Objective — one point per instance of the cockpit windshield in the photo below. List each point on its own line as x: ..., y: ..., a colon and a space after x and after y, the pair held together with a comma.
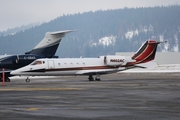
x: 36, y: 63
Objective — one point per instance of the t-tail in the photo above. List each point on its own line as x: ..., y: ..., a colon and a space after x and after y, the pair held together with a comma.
x: 48, y: 46
x: 145, y: 53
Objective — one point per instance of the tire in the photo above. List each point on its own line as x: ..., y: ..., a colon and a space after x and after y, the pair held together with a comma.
x: 27, y: 80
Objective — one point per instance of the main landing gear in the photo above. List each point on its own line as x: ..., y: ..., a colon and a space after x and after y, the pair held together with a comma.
x: 27, y: 80
x: 97, y: 78
x: 5, y: 80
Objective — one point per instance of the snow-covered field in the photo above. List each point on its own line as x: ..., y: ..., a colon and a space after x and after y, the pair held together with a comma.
x: 165, y: 68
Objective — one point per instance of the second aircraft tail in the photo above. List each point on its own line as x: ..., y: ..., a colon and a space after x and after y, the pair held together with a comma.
x: 48, y: 46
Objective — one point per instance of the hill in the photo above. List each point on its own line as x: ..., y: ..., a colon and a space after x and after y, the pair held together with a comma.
x: 103, y: 32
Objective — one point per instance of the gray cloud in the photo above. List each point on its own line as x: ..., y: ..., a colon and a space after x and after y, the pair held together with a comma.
x: 15, y: 13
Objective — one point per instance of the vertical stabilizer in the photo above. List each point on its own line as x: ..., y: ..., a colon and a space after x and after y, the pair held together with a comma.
x: 146, y: 52
x: 48, y: 46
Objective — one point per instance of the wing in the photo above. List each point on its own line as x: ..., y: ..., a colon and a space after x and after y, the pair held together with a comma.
x: 102, y: 71
x: 108, y: 71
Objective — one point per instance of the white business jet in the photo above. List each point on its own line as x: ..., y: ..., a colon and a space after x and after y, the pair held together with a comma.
x: 89, y: 66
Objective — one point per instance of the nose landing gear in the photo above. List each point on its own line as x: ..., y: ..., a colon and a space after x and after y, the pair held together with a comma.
x: 27, y: 80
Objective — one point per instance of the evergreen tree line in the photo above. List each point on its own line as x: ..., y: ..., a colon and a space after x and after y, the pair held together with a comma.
x: 149, y: 23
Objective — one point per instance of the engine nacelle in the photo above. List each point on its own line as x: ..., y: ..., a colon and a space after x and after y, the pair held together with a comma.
x: 113, y: 60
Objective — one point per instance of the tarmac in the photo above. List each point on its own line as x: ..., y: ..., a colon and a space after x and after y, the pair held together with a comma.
x: 137, y: 96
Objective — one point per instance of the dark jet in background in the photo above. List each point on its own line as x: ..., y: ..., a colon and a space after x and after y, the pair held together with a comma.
x: 45, y: 49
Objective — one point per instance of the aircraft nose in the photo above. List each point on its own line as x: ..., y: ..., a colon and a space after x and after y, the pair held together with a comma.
x: 14, y: 72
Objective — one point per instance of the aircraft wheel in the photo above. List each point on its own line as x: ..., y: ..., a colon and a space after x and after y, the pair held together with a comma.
x: 98, y: 79
x: 7, y: 80
x: 27, y: 80
x: 91, y: 78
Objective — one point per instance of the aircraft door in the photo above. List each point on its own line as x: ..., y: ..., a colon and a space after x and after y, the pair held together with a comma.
x: 50, y: 64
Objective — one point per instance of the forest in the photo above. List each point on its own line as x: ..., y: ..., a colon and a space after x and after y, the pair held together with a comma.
x: 129, y: 28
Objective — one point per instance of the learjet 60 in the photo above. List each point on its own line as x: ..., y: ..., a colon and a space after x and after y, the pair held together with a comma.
x: 89, y: 66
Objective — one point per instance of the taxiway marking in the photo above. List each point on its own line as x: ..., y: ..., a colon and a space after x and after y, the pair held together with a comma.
x: 38, y: 89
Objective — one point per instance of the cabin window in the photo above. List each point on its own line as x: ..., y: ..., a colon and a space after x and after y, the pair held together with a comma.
x: 37, y: 63
x: 83, y: 63
x: 59, y: 64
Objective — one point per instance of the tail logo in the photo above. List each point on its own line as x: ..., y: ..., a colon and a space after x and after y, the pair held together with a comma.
x: 146, y: 53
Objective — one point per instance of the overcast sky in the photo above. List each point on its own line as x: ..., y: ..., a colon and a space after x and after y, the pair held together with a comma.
x: 15, y: 13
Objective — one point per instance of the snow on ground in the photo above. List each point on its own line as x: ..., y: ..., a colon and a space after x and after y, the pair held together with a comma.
x: 164, y: 68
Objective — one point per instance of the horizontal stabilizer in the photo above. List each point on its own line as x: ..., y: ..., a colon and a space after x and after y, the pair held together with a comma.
x: 61, y: 32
